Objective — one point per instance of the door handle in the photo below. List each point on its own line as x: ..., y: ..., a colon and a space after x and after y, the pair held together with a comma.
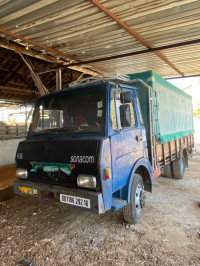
x: 139, y: 138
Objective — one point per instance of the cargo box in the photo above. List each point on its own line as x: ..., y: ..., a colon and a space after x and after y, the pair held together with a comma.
x: 172, y: 107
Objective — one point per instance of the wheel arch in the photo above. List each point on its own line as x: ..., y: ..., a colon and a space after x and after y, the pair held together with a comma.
x: 142, y: 170
x: 142, y: 167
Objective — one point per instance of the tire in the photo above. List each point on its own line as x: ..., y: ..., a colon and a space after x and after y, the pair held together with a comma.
x: 168, y: 170
x: 134, y: 209
x: 186, y: 159
x: 179, y: 168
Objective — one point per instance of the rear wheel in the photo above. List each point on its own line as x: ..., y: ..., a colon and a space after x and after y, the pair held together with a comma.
x: 168, y: 170
x: 134, y: 209
x: 179, y: 167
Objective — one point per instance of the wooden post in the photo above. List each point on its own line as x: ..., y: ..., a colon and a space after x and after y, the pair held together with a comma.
x: 59, y: 79
x: 41, y: 88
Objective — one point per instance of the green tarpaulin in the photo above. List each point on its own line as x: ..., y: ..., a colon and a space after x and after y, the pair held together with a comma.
x: 172, y: 107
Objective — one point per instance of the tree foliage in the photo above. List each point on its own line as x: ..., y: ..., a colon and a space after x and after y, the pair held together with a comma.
x: 196, y: 111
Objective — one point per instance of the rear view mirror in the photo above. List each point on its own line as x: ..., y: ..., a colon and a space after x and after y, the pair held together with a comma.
x: 126, y: 97
x: 125, y: 115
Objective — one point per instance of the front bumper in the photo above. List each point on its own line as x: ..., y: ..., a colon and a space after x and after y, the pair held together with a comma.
x: 45, y: 191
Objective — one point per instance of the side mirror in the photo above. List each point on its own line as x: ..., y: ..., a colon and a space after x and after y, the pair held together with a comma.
x: 126, y: 97
x: 125, y: 115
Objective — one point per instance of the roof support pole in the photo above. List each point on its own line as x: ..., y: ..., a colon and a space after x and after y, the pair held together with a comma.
x: 133, y: 33
x: 42, y: 89
x: 59, y: 79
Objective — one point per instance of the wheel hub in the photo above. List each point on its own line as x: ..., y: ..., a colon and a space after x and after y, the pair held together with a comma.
x: 142, y: 199
x: 182, y: 166
x: 139, y: 198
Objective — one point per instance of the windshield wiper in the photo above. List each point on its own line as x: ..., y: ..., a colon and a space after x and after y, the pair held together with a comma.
x: 53, y: 131
x: 42, y: 133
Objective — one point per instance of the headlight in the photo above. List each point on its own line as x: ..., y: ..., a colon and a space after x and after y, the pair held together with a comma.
x: 21, y: 173
x: 87, y: 181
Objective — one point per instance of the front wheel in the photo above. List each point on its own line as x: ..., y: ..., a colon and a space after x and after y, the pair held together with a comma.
x: 134, y: 209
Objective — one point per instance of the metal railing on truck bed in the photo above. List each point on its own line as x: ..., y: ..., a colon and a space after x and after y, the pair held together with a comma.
x: 171, y: 150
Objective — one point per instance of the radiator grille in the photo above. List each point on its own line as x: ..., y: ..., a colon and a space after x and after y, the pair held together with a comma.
x: 59, y: 177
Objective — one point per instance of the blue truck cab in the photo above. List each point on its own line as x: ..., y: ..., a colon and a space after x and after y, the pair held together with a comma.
x: 87, y: 147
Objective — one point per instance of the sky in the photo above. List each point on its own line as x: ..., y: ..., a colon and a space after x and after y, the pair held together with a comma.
x: 190, y: 86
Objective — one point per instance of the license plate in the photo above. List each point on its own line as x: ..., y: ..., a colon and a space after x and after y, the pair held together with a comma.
x: 77, y: 201
x: 28, y: 190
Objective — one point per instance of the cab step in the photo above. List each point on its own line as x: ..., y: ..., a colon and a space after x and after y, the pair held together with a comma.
x: 118, y: 203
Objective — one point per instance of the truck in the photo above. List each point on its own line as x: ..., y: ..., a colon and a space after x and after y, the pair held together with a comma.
x: 99, y: 144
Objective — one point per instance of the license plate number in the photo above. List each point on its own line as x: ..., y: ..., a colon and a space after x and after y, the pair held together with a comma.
x: 72, y: 200
x: 28, y: 190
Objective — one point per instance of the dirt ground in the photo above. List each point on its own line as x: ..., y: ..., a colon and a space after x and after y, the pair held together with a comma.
x: 47, y: 233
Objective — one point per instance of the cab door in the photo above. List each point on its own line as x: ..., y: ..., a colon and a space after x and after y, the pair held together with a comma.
x: 126, y: 139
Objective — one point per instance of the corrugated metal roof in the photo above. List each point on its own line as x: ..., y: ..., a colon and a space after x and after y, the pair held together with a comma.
x: 80, y: 29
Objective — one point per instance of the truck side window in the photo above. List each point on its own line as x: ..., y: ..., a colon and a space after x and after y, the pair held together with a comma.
x: 118, y: 104
x: 133, y: 120
x: 132, y: 115
x: 113, y: 112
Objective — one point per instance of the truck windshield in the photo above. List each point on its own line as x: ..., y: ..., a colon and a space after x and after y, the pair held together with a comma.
x: 78, y: 111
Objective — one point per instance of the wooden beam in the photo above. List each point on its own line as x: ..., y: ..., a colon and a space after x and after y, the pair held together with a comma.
x: 52, y: 50
x: 18, y: 91
x: 11, y: 100
x: 4, y: 43
x: 133, y: 33
x: 15, y: 92
x: 46, y: 69
x: 14, y: 71
x: 18, y: 48
x: 16, y: 101
x: 59, y: 79
x: 9, y: 105
x: 84, y: 70
x: 47, y: 48
x: 75, y: 82
x: 40, y: 86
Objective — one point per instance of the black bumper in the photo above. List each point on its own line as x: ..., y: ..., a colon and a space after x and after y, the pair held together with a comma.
x: 45, y: 191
